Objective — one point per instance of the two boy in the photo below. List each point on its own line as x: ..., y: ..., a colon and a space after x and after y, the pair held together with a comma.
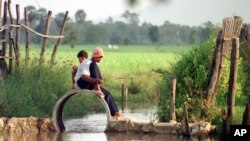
x: 88, y: 76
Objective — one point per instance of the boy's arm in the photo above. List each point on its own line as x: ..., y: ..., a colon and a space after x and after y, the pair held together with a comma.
x: 91, y: 80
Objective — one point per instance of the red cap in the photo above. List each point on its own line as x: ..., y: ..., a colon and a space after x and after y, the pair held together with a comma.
x: 98, y: 52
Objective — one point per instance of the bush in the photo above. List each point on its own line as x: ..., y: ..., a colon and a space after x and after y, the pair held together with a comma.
x: 191, y: 72
x: 33, y: 90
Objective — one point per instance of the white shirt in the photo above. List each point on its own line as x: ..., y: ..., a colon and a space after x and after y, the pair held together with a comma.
x: 83, y: 69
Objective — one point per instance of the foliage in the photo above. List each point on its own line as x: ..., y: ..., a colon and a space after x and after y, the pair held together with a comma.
x: 192, y: 77
x: 132, y: 18
x: 126, y: 32
x: 33, y: 89
x: 72, y: 35
x: 191, y: 73
x: 153, y: 34
x: 244, y: 53
x: 80, y: 16
x: 80, y: 105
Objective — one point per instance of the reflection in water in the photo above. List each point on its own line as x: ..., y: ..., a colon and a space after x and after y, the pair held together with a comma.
x: 95, y: 137
x: 149, y: 137
x: 31, y: 136
x: 94, y: 123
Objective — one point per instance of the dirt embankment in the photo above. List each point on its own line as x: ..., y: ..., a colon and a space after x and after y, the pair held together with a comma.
x: 26, y: 124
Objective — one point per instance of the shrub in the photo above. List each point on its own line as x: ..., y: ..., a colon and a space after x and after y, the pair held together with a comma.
x: 191, y: 72
x: 33, y: 90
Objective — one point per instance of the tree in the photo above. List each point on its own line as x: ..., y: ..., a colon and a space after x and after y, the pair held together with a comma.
x: 110, y: 20
x: 135, y: 2
x: 72, y: 34
x: 153, y: 34
x: 96, y: 34
x: 206, y: 31
x: 80, y: 16
x: 32, y: 14
x: 59, y: 19
x: 132, y: 18
x: 192, y: 36
x: 41, y: 15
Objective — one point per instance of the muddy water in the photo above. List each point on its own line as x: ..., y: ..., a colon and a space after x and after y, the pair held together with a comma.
x: 92, y: 126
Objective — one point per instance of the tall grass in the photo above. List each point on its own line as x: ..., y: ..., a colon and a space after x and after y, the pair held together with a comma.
x: 32, y: 90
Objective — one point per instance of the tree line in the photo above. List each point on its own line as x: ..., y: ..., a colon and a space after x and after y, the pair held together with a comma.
x: 78, y: 30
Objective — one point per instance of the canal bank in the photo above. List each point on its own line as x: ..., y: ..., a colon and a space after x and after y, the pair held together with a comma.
x: 32, y: 124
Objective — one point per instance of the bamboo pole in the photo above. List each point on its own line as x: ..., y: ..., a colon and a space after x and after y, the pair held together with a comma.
x: 158, y: 94
x: 1, y: 74
x: 172, y: 99
x: 37, y: 33
x: 224, y: 131
x: 124, y: 93
x: 184, y: 122
x: 45, y: 39
x: 246, y: 115
x: 10, y: 54
x: 0, y: 13
x: 4, y: 31
x: 213, y: 74
x: 26, y: 18
x: 53, y: 56
x: 233, y: 78
x: 231, y: 27
x: 225, y: 49
x: 18, y: 35
x: 1, y: 25
x: 10, y: 40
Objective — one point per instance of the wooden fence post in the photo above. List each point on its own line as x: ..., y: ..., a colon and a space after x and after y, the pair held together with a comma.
x: 11, y: 40
x: 59, y: 39
x: 224, y: 130
x: 158, y: 94
x: 184, y: 122
x: 246, y: 115
x: 45, y: 39
x: 231, y: 27
x: 124, y: 93
x: 1, y: 13
x: 172, y: 99
x: 17, y: 35
x: 233, y: 77
x: 26, y: 18
x: 4, y: 31
x: 3, y: 65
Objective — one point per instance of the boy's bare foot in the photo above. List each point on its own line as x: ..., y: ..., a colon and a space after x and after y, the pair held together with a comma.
x: 120, y: 117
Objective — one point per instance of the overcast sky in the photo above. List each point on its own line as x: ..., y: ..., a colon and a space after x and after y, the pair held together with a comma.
x: 185, y: 12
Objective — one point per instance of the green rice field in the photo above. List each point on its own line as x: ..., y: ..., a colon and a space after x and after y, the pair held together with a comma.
x: 123, y: 65
x: 33, y: 89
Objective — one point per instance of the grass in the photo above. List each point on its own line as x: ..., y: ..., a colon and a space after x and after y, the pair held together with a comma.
x: 33, y: 89
x: 124, y: 65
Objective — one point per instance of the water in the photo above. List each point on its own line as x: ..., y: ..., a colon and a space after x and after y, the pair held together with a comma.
x: 92, y: 126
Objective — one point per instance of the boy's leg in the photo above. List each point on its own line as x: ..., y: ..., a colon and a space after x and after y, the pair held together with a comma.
x: 73, y: 73
x: 97, y: 88
x: 110, y: 101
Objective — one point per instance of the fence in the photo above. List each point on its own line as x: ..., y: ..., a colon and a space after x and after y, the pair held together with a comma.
x: 14, y: 43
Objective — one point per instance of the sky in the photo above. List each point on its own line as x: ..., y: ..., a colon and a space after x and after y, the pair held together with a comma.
x: 184, y: 12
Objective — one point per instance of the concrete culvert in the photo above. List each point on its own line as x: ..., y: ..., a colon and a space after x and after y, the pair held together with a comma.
x: 61, y: 102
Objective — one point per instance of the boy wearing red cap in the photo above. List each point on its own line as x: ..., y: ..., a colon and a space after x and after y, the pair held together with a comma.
x: 88, y: 76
